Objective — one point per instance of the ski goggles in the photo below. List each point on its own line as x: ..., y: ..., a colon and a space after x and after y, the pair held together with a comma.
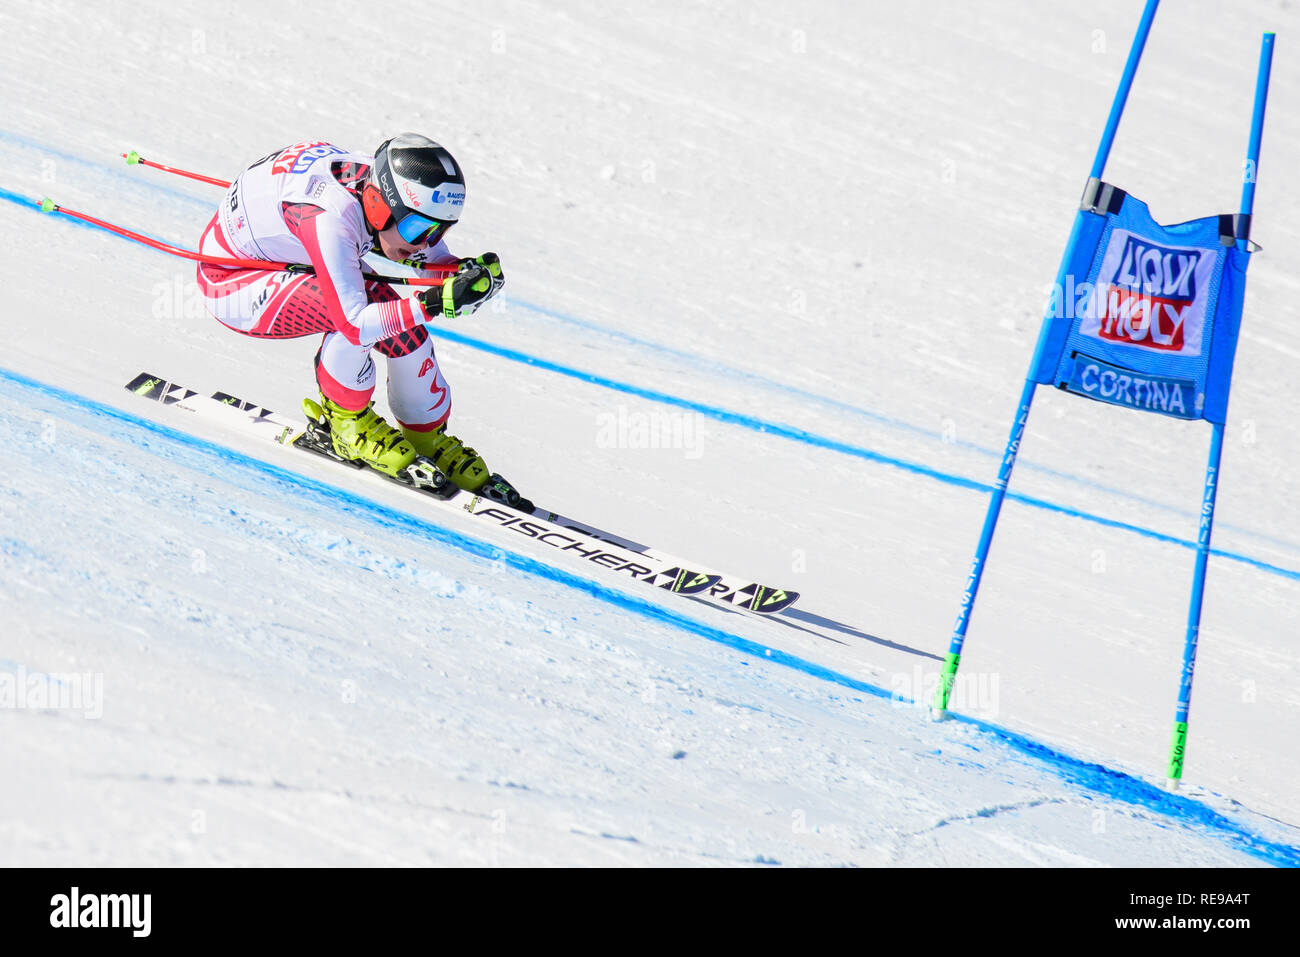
x: 418, y: 228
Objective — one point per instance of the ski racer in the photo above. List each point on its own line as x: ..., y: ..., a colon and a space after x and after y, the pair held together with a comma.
x: 326, y: 207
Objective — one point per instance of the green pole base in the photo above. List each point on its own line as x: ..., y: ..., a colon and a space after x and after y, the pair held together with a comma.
x: 1177, y: 752
x: 48, y: 205
x: 939, y: 710
x: 132, y: 158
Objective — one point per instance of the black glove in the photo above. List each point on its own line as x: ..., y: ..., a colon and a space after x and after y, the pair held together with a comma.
x: 463, y: 292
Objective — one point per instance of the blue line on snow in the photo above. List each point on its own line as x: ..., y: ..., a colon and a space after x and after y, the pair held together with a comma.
x: 785, y: 431
x: 20, y: 199
x: 35, y: 204
x: 1083, y: 774
x: 118, y: 171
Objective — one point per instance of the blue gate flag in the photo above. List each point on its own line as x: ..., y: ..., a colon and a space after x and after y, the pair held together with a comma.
x: 1146, y: 316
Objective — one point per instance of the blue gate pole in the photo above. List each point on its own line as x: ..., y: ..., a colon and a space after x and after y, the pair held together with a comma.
x: 952, y: 660
x: 1178, y: 745
x: 1125, y: 84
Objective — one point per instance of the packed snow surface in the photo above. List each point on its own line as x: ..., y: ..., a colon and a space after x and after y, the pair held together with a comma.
x: 775, y: 274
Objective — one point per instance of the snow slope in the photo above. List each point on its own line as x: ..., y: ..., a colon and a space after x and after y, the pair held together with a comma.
x: 819, y: 243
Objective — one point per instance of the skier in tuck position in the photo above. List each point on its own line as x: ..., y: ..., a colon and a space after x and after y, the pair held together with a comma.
x: 321, y: 205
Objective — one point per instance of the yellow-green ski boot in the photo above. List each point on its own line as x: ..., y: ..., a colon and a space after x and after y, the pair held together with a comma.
x: 454, y: 459
x: 363, y: 436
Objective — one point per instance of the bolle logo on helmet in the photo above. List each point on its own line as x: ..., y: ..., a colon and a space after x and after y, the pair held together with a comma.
x: 389, y: 189
x: 1150, y: 296
x: 412, y: 198
x: 300, y: 156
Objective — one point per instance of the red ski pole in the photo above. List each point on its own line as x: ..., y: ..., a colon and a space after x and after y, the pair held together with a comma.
x: 50, y: 206
x: 133, y: 158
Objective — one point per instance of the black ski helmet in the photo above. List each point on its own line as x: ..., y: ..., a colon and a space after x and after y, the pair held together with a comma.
x: 417, y: 184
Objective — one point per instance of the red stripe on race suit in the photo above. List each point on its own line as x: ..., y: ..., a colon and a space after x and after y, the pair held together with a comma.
x: 220, y: 235
x: 396, y: 317
x: 301, y: 218
x: 426, y: 426
x: 374, y: 321
x: 215, y: 281
x: 272, y: 307
x: 351, y: 399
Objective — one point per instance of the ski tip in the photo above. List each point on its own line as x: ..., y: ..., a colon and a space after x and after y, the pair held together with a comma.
x: 132, y: 158
x: 687, y: 582
x: 768, y: 601
x: 144, y: 379
x: 48, y: 205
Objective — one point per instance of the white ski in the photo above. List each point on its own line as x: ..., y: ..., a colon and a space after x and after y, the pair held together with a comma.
x: 578, y: 540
